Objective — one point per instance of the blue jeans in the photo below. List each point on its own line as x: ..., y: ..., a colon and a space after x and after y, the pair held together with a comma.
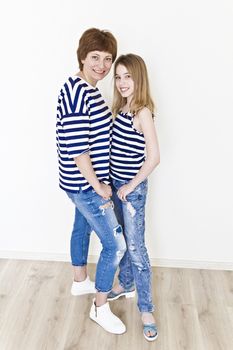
x: 80, y: 239
x: 97, y: 214
x: 135, y: 265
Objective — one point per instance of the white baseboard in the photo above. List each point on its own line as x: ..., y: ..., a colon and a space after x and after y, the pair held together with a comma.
x: 192, y: 264
x: 160, y: 262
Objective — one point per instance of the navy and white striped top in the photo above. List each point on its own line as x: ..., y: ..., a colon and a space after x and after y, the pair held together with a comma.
x: 84, y: 124
x: 127, y: 148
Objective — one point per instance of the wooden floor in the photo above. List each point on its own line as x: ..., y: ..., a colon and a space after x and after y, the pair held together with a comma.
x: 37, y: 312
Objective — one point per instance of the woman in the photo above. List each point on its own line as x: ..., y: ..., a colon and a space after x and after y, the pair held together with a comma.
x: 134, y: 155
x: 83, y: 139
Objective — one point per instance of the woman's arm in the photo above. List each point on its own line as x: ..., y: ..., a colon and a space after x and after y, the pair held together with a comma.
x: 84, y: 165
x: 152, y: 151
x: 75, y: 132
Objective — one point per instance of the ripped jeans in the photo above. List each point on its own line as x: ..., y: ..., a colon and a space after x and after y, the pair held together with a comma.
x: 92, y: 212
x: 135, y: 265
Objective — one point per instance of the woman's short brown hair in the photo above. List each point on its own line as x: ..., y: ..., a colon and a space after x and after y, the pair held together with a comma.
x: 96, y: 39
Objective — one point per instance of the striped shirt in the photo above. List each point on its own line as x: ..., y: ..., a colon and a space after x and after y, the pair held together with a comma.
x: 127, y: 148
x: 84, y: 125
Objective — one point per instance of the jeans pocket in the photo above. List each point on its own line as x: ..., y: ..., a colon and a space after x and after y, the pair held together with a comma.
x: 143, y: 185
x: 141, y: 188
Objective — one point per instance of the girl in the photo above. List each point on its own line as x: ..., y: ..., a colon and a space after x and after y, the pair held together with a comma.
x: 83, y: 138
x: 133, y: 135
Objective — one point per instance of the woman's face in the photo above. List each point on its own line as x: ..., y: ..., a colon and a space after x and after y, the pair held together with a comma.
x: 96, y: 66
x: 124, y: 82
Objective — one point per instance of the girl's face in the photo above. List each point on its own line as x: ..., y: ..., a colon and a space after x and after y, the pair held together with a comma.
x: 96, y: 66
x: 124, y: 82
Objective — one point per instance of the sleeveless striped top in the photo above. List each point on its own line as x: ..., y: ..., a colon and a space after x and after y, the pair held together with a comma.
x: 127, y: 148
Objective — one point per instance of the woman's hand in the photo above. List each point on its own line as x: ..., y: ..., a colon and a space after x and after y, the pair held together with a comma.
x: 124, y: 191
x: 104, y: 191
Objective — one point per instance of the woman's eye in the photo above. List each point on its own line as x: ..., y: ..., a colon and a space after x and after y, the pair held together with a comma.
x: 95, y: 58
x: 117, y: 78
x: 128, y: 76
x: 109, y: 59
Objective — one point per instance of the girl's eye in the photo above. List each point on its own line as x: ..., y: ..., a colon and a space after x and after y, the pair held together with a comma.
x: 95, y: 58
x: 117, y: 78
x: 128, y: 76
x: 109, y: 59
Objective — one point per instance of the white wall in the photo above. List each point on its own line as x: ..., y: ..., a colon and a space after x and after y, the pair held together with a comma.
x: 187, y: 46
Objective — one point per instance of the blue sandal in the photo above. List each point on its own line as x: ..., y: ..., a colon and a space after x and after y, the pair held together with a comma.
x: 152, y: 329
x: 128, y: 293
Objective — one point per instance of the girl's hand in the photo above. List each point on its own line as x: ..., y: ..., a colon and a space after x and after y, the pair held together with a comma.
x: 124, y: 191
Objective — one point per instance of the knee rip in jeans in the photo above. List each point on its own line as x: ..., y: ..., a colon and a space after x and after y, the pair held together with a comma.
x: 135, y: 260
x: 119, y: 255
x: 138, y: 265
x: 105, y: 206
x: 132, y: 247
x: 118, y: 233
x: 117, y: 230
x: 131, y: 209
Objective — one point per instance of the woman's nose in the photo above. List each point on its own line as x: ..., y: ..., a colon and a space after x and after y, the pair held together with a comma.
x: 101, y: 64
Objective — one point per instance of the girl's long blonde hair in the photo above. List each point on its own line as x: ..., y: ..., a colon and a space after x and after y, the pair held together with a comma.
x: 141, y: 98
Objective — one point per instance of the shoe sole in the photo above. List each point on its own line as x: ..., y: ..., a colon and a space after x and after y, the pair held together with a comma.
x: 151, y: 338
x: 82, y: 293
x: 126, y: 294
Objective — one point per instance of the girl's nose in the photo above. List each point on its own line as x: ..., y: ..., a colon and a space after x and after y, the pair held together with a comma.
x: 122, y: 82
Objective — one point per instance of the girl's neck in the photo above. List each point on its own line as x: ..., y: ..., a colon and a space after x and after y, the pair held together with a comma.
x: 126, y: 107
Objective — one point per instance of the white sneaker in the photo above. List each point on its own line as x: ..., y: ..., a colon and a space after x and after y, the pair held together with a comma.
x: 106, y: 319
x: 84, y: 287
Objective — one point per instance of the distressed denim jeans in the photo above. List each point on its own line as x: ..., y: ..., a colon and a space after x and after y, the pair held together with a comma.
x: 97, y: 214
x: 135, y: 265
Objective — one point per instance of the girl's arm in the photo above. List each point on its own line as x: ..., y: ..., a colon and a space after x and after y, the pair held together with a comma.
x: 152, y: 152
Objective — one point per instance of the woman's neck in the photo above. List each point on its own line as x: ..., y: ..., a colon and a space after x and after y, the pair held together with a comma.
x: 86, y: 79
